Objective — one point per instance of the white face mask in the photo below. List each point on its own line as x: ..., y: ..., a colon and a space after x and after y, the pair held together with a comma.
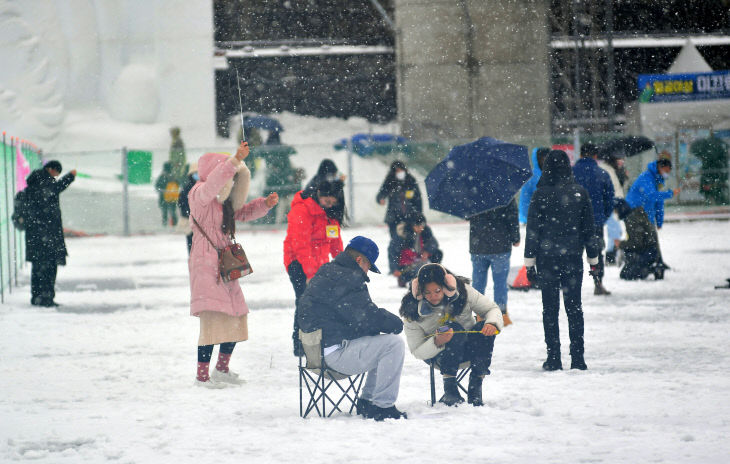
x: 665, y: 175
x: 400, y: 175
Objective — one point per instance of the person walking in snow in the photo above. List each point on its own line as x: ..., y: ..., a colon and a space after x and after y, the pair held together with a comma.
x: 437, y: 309
x: 613, y: 165
x: 357, y: 336
x: 646, y: 192
x: 598, y: 184
x: 401, y: 191
x: 44, y: 243
x: 217, y: 201
x: 168, y: 189
x: 560, y: 225
x: 312, y: 237
x: 492, y: 235
x: 177, y: 159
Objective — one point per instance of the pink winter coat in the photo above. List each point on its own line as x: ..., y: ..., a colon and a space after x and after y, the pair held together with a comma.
x: 217, y: 171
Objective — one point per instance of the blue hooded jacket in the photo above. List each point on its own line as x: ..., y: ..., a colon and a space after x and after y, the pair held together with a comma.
x: 529, y: 188
x: 645, y: 192
x: 600, y: 188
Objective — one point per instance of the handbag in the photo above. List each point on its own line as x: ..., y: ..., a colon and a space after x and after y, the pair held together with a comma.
x: 232, y: 261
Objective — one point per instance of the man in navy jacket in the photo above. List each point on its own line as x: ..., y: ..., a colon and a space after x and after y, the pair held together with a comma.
x: 357, y: 336
x: 598, y: 183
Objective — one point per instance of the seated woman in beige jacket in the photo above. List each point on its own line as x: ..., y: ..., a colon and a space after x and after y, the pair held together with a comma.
x: 440, y: 326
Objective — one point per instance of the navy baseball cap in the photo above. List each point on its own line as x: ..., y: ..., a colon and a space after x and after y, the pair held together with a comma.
x: 368, y: 248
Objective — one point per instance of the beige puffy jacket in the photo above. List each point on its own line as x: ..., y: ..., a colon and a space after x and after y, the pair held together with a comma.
x: 417, y: 332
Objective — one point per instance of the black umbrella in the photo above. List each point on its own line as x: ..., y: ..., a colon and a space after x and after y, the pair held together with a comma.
x: 625, y: 146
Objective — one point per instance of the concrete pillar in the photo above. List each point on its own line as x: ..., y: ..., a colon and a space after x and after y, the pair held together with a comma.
x: 472, y: 68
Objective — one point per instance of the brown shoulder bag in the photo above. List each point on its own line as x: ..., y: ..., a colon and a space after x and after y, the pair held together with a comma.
x: 232, y: 260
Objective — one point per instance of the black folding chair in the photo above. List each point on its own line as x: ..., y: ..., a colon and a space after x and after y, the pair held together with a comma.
x: 464, y: 369
x: 319, y: 380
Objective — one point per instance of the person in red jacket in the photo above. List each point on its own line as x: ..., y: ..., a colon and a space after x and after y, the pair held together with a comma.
x: 312, y: 237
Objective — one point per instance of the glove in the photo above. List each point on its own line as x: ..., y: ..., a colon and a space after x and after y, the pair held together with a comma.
x: 532, y: 275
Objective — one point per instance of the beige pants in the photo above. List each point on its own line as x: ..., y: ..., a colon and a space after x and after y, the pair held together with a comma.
x: 217, y: 328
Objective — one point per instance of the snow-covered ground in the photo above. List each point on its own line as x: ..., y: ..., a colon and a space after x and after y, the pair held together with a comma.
x: 109, y: 376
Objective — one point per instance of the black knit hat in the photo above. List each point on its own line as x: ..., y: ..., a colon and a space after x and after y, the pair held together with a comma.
x: 53, y: 164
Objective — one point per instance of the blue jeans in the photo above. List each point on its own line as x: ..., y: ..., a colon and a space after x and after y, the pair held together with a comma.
x: 500, y: 269
x: 613, y: 227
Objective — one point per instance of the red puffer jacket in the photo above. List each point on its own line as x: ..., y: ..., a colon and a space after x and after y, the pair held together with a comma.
x: 311, y: 237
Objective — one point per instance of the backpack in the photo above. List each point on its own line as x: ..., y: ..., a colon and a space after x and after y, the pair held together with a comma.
x: 20, y: 210
x: 171, y: 192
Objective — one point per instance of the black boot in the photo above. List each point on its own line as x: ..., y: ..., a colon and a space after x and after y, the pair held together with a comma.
x: 363, y: 407
x: 553, y: 363
x: 474, y: 392
x: 577, y: 362
x: 611, y: 257
x: 451, y: 392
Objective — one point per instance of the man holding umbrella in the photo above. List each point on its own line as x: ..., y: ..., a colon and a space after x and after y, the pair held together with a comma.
x: 600, y: 188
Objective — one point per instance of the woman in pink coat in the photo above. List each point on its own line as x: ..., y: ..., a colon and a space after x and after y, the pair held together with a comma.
x: 217, y: 200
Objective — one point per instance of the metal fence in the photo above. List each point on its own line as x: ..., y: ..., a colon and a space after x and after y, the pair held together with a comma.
x: 13, y: 152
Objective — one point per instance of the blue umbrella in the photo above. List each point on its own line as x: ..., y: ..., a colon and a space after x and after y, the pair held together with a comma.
x: 477, y: 177
x: 262, y: 122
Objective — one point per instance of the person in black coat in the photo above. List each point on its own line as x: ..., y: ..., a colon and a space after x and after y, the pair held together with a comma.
x: 357, y: 336
x: 492, y: 235
x: 560, y: 226
x: 44, y: 243
x: 401, y: 191
x: 641, y: 248
x: 414, y: 246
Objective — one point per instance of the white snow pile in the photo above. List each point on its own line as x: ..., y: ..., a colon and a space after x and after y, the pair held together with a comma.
x: 108, y: 377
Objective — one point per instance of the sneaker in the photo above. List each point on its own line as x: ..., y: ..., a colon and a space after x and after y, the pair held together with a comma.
x: 210, y: 384
x: 380, y: 414
x: 506, y: 319
x: 226, y: 377
x: 363, y: 407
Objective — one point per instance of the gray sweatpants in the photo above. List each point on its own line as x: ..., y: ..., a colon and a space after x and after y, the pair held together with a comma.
x: 381, y: 356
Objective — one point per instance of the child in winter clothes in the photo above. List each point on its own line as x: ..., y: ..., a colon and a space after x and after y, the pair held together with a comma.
x: 438, y: 306
x: 216, y: 201
x: 169, y: 191
x: 413, y: 247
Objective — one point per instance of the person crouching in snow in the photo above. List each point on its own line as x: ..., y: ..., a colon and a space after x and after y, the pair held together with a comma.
x: 641, y: 250
x: 216, y: 201
x: 437, y: 311
x: 413, y: 246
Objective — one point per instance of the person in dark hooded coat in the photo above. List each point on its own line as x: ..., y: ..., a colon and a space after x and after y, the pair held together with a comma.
x: 328, y: 172
x: 44, y: 243
x: 641, y: 248
x: 560, y: 225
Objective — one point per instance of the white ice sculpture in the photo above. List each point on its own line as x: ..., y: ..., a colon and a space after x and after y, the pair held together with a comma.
x: 100, y: 74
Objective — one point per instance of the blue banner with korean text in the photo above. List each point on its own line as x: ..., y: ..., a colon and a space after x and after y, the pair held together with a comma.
x: 657, y: 88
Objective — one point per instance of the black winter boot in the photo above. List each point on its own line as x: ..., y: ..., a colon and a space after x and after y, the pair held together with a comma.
x: 553, y: 363
x: 362, y: 407
x: 451, y: 392
x: 577, y: 362
x: 474, y: 392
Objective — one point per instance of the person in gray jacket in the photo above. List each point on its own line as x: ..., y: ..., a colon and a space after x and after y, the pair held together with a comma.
x: 357, y: 336
x: 440, y: 326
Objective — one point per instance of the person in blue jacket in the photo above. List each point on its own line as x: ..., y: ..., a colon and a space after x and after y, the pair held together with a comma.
x: 538, y: 155
x: 598, y: 183
x: 645, y: 192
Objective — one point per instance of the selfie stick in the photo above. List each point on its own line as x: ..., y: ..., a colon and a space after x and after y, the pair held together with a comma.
x: 240, y: 105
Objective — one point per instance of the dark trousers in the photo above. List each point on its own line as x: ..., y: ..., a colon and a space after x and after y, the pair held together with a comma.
x: 43, y: 280
x: 189, y: 240
x: 206, y: 351
x: 601, y: 244
x: 393, y: 254
x: 171, y: 209
x: 472, y: 347
x: 299, y: 281
x: 561, y: 273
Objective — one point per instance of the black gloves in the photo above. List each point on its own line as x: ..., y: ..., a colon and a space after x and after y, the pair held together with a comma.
x: 391, y: 323
x: 596, y: 272
x: 532, y: 275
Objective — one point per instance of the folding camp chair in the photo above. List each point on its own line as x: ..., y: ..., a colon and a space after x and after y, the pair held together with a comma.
x: 464, y: 369
x: 318, y: 379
